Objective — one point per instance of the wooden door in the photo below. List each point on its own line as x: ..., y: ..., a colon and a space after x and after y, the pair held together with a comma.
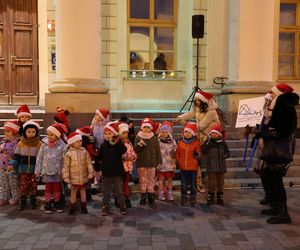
x: 19, y: 58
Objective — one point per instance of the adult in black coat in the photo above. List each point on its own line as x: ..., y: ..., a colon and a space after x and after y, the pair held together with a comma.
x: 279, y: 134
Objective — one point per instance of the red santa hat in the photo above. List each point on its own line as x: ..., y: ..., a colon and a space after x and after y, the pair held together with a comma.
x: 147, y: 122
x: 23, y: 110
x: 86, y: 131
x: 104, y: 113
x: 57, y: 129
x: 216, y: 129
x: 282, y: 88
x: 191, y: 127
x: 73, y: 137
x: 156, y: 127
x: 112, y: 127
x: 203, y: 96
x: 13, y: 126
x: 123, y: 127
x: 31, y: 123
x: 61, y: 116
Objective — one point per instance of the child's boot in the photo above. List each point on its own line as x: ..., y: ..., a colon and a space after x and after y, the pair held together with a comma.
x: 193, y: 200
x: 170, y: 196
x: 161, y: 195
x: 143, y: 199
x: 47, y: 207
x: 123, y: 209
x: 83, y: 208
x: 22, y: 202
x: 105, y: 209
x: 128, y: 203
x: 117, y: 203
x: 220, y: 199
x: 151, y: 200
x: 183, y: 200
x: 58, y: 207
x: 210, y: 198
x: 33, y: 201
x: 72, y: 209
x: 89, y: 195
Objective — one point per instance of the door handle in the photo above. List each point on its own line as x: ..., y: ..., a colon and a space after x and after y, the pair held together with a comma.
x: 12, y: 60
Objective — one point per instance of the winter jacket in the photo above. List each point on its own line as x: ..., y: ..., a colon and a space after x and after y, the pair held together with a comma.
x: 205, y: 120
x: 187, y: 155
x: 168, y: 150
x: 50, y: 160
x: 78, y: 167
x: 7, y: 149
x: 110, y: 157
x: 24, y: 158
x: 129, y: 157
x: 148, y: 155
x: 214, y: 155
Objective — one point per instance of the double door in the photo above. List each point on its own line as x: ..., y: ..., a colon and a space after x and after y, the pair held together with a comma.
x: 18, y: 52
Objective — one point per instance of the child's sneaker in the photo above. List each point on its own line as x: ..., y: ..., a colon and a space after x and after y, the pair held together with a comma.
x: 183, y: 200
x: 161, y: 196
x: 47, y: 208
x: 128, y: 203
x: 105, y: 210
x: 170, y: 196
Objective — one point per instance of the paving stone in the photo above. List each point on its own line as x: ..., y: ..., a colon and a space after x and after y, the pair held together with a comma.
x: 42, y: 244
x: 71, y: 245
x: 12, y: 245
x: 144, y: 241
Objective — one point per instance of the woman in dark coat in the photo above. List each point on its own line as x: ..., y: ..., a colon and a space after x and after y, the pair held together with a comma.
x: 279, y: 134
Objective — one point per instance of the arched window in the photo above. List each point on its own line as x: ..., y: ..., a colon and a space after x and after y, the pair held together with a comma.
x: 152, y: 34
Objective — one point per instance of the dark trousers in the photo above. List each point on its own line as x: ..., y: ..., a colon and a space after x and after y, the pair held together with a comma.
x: 265, y: 180
x: 188, y: 178
x: 215, y: 179
x: 277, y: 190
x: 110, y: 184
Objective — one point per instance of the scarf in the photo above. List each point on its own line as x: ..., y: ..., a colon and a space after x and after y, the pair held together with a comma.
x: 145, y: 135
x: 31, y: 142
x: 165, y: 140
x: 189, y: 141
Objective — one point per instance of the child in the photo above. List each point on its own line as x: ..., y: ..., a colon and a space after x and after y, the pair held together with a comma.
x: 88, y: 143
x: 99, y: 121
x: 187, y: 154
x: 49, y: 165
x: 166, y: 169
x: 110, y: 156
x: 215, y: 151
x: 61, y: 117
x: 9, y: 183
x: 24, y: 160
x: 77, y: 170
x: 146, y: 146
x: 128, y: 158
x: 23, y: 113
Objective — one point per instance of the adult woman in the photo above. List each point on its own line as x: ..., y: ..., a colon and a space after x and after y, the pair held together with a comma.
x: 279, y: 146
x: 205, y: 113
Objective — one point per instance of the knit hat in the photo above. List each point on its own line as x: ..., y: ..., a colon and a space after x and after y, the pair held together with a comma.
x: 281, y: 88
x: 104, y: 113
x: 85, y: 131
x: 147, y: 122
x: 23, y: 110
x: 167, y: 127
x: 191, y: 127
x: 126, y: 118
x: 123, y: 127
x: 57, y: 129
x: 61, y: 116
x: 73, y: 137
x: 112, y: 127
x: 203, y: 96
x: 13, y: 126
x: 216, y: 129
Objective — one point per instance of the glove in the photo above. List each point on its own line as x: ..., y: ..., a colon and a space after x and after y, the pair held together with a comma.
x: 141, y: 143
x: 196, y: 155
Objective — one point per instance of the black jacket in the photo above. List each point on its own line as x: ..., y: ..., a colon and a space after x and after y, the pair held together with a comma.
x: 110, y: 157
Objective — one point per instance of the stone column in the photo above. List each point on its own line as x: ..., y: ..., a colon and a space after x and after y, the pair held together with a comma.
x: 78, y: 55
x: 252, y: 50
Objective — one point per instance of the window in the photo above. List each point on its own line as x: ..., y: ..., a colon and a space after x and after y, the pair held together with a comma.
x: 152, y: 34
x: 289, y: 44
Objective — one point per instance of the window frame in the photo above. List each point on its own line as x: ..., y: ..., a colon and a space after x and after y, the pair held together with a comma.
x: 152, y: 23
x: 296, y: 30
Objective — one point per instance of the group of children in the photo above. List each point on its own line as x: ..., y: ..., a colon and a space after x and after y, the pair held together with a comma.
x: 112, y: 149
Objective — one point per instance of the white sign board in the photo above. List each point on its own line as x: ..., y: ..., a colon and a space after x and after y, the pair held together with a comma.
x: 250, y: 112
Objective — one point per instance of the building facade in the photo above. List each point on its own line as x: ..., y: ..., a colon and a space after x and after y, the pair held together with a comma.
x: 102, y: 53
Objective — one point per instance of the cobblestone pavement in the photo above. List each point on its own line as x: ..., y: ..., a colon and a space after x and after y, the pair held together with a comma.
x: 237, y: 225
